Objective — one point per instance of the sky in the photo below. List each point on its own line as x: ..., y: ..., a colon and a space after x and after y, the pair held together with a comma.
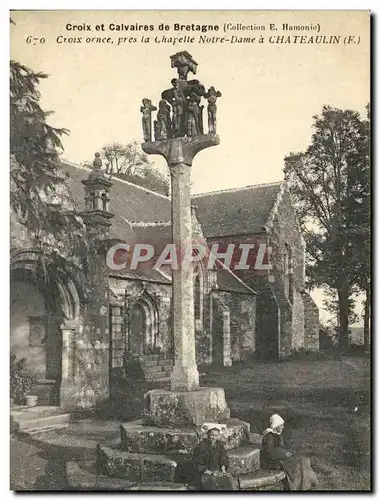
x: 270, y: 91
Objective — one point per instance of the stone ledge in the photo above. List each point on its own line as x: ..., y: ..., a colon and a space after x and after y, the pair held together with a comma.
x: 136, y: 437
x: 160, y: 486
x: 261, y: 479
x: 244, y: 460
x: 255, y: 438
x: 146, y: 467
x: 83, y: 476
x: 135, y: 467
x: 185, y: 409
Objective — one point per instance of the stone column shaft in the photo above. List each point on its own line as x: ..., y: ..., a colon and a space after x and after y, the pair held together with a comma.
x: 66, y: 353
x: 185, y: 374
x: 179, y: 154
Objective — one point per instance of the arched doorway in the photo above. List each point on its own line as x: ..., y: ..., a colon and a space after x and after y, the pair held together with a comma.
x: 35, y: 331
x: 143, y: 326
x: 138, y: 329
x: 39, y: 313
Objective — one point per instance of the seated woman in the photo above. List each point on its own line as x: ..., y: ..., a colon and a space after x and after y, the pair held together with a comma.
x: 273, y: 455
x: 211, y: 464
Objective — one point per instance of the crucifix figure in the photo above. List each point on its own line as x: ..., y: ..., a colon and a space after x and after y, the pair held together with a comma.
x: 211, y: 97
x: 163, y: 124
x: 146, y: 110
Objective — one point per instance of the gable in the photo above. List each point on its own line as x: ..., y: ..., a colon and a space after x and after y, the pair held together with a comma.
x: 236, y: 211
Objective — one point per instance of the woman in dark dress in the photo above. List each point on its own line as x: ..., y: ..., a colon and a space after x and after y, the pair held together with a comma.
x: 274, y: 455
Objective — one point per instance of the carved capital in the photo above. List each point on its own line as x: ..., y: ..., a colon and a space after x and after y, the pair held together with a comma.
x: 180, y: 149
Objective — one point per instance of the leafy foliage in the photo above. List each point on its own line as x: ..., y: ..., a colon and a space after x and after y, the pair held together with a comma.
x: 330, y: 184
x: 34, y: 148
x: 21, y: 380
x: 38, y: 186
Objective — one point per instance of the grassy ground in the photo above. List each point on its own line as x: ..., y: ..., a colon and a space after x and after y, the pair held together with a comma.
x: 316, y: 399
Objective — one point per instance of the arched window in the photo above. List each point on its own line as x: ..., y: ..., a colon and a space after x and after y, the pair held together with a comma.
x: 105, y: 202
x: 93, y: 200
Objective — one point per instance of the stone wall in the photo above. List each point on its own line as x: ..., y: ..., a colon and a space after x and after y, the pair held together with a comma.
x: 298, y: 320
x: 284, y: 233
x: 288, y: 273
x: 312, y: 324
x: 203, y: 340
x: 242, y: 309
x: 26, y: 302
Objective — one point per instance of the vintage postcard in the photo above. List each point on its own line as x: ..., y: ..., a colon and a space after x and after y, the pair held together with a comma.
x: 190, y: 250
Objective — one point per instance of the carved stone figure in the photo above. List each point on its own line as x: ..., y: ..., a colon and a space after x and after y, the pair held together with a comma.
x: 97, y: 163
x: 175, y: 96
x: 146, y: 110
x: 211, y: 97
x: 179, y: 108
x: 194, y: 116
x: 163, y: 125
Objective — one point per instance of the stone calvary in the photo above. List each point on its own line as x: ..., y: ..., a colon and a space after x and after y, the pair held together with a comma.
x: 155, y: 452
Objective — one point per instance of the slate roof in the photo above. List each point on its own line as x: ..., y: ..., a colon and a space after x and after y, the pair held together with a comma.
x: 236, y: 211
x: 144, y: 274
x: 133, y: 206
x: 229, y: 282
x: 128, y: 201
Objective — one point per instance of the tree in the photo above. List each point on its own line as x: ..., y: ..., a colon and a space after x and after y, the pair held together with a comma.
x: 130, y: 163
x: 34, y: 147
x: 324, y: 180
x: 358, y: 206
x: 36, y: 180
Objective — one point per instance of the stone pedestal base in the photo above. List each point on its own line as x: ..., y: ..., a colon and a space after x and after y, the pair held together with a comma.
x: 139, y: 438
x: 185, y: 409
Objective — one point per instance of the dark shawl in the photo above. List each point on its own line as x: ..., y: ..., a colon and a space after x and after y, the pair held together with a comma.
x: 206, y: 457
x: 299, y: 473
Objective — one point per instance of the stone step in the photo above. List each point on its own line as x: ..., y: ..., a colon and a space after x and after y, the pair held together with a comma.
x: 255, y: 438
x: 166, y: 363
x: 261, y: 479
x: 149, y: 362
x: 38, y: 417
x: 159, y: 486
x: 136, y: 437
x: 152, y: 357
x: 84, y: 476
x: 40, y: 430
x: 160, y: 379
x: 147, y: 467
x: 157, y: 371
x: 244, y: 460
x: 157, y: 368
x: 137, y: 467
x: 152, y: 369
x: 158, y: 374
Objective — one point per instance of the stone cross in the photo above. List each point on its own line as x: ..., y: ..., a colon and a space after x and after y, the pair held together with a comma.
x: 179, y: 153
